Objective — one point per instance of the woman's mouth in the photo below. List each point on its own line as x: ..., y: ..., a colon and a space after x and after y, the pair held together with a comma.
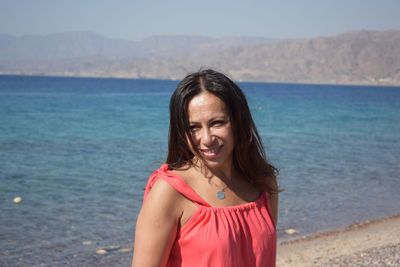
x: 210, y: 152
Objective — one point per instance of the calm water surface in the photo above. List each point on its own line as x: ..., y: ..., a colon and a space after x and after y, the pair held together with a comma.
x: 79, y: 151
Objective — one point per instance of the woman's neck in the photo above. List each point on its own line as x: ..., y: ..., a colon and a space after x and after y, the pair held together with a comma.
x: 226, y: 175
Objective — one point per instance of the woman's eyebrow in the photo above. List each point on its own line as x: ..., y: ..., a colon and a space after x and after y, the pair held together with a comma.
x: 222, y: 117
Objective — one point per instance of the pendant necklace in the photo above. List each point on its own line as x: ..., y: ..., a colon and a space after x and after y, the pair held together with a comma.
x: 221, y: 192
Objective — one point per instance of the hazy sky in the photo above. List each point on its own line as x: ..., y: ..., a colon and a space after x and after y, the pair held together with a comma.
x: 130, y: 19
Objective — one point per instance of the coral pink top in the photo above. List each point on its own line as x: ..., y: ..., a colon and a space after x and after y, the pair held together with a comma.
x: 242, y: 235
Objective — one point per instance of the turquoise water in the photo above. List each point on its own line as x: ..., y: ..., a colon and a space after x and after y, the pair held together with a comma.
x: 79, y: 151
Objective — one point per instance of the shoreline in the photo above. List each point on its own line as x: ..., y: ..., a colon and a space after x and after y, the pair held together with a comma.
x: 119, y: 77
x: 356, y: 242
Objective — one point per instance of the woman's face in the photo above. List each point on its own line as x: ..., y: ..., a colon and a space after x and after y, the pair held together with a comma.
x: 211, y: 130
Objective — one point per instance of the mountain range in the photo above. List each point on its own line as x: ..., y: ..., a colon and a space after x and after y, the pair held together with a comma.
x: 361, y: 57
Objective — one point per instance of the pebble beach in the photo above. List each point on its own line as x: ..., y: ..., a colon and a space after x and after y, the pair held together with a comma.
x: 370, y: 243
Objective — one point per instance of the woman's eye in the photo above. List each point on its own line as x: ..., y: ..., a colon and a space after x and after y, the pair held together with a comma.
x: 193, y: 128
x: 218, y: 123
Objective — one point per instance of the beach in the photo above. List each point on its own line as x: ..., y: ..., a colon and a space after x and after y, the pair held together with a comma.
x: 370, y: 243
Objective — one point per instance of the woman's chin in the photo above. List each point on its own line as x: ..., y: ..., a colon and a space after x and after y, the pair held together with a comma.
x: 216, y: 164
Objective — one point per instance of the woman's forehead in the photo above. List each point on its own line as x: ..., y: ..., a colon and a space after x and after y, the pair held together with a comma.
x: 206, y: 104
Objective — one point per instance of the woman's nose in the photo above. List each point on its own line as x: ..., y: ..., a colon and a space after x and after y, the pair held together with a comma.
x: 207, y: 137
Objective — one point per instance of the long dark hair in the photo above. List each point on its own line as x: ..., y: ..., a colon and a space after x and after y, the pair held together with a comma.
x: 248, y: 156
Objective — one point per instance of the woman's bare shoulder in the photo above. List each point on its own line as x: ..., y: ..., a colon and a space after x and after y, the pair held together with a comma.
x: 156, y: 225
x: 163, y: 196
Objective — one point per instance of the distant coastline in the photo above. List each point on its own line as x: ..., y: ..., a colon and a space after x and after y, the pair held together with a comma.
x: 383, y: 85
x: 353, y: 58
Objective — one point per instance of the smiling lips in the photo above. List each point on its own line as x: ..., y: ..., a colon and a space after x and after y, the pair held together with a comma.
x: 211, y: 153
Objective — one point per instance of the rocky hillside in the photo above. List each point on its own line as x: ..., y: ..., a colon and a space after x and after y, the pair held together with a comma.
x: 364, y: 57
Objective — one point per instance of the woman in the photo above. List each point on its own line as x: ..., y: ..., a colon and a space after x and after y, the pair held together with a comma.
x: 215, y: 201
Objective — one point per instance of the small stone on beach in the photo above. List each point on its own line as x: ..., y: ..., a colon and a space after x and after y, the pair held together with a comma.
x: 291, y: 231
x: 124, y: 250
x: 17, y: 200
x: 101, y: 251
x: 105, y: 250
x: 87, y: 242
x: 112, y: 247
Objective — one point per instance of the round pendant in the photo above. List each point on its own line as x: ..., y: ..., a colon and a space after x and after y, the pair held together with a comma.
x: 220, y: 195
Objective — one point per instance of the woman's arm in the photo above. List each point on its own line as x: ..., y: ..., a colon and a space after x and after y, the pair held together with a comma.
x: 273, y: 200
x: 156, y: 226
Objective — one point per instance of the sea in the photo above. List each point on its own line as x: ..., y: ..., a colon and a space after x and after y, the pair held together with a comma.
x: 78, y: 152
